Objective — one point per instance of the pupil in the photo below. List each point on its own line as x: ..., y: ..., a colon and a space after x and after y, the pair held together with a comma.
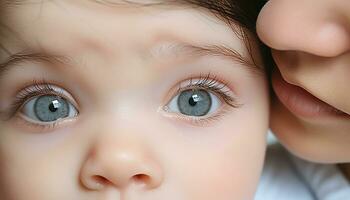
x: 52, y: 107
x: 192, y: 102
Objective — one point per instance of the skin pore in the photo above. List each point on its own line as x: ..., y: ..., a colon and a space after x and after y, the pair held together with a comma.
x: 310, y: 115
x: 91, y: 104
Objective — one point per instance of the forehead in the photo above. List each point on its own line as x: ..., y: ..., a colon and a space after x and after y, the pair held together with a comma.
x: 116, y: 6
x: 219, y: 8
x: 76, y: 26
x: 38, y: 16
x: 110, y: 2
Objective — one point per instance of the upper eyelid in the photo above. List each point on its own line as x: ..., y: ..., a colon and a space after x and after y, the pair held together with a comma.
x: 203, y: 85
x: 207, y: 80
x: 216, y: 83
x: 40, y: 89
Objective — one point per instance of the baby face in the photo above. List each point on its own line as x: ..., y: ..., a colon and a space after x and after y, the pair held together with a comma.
x: 311, y: 42
x: 121, y: 101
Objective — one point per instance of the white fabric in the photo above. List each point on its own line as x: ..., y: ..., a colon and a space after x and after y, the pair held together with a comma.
x: 280, y: 180
x: 327, y: 181
x: 286, y: 177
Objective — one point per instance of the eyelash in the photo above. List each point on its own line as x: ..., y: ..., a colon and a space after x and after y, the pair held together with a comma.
x: 208, y: 82
x: 213, y: 84
x: 36, y: 89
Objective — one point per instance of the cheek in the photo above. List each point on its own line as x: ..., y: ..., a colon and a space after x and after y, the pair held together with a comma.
x: 228, y: 163
x: 35, y: 180
x: 31, y: 170
x: 223, y: 174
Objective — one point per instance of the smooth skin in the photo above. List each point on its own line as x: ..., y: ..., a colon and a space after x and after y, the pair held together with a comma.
x: 126, y: 142
x: 311, y: 47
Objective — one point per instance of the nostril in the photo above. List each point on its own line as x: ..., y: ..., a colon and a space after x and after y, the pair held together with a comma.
x: 141, y: 179
x: 100, y: 180
x: 95, y: 182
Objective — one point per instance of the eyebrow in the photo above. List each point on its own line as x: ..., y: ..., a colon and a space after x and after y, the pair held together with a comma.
x: 23, y: 57
x: 222, y: 51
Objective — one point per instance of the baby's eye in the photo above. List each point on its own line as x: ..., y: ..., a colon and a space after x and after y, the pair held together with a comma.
x: 48, y: 108
x: 194, y: 102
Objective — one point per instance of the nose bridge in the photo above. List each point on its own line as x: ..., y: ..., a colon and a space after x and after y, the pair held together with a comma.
x: 318, y: 28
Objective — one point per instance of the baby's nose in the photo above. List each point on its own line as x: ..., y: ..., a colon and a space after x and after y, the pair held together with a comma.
x: 120, y: 164
x: 319, y: 27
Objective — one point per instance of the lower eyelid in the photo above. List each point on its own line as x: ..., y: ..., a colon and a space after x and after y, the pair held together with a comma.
x: 201, y: 121
x: 206, y: 120
x: 35, y: 127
